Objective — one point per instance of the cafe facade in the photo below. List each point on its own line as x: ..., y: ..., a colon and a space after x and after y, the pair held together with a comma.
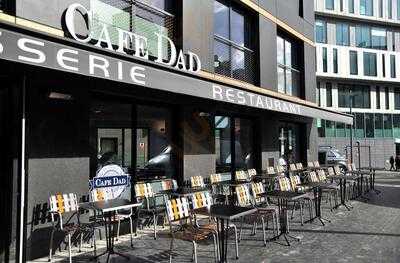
x: 164, y: 89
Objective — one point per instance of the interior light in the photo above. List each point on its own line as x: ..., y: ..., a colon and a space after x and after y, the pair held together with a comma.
x: 60, y: 96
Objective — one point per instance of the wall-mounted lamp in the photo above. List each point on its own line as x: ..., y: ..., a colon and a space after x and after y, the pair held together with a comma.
x: 204, y: 114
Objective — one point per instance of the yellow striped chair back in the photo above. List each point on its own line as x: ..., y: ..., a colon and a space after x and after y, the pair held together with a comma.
x: 243, y: 195
x: 279, y: 169
x: 299, y: 166
x: 331, y: 172
x: 321, y: 175
x: 284, y: 184
x: 240, y: 175
x: 292, y: 167
x: 201, y: 200
x: 63, y: 203
x: 310, y: 164
x: 101, y: 195
x: 177, y: 209
x: 257, y: 189
x: 270, y: 170
x: 294, y: 181
x: 197, y: 181
x: 313, y: 177
x: 215, y: 178
x: 143, y: 190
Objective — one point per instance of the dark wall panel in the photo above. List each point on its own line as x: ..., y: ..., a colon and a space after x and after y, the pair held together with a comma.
x: 268, y: 64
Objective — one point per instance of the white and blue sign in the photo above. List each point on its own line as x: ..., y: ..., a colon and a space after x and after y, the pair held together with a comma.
x: 111, y: 178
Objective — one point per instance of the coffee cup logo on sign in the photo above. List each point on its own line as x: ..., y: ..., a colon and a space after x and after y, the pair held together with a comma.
x: 111, y: 179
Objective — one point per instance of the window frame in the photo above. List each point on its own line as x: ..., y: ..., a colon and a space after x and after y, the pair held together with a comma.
x: 371, y: 59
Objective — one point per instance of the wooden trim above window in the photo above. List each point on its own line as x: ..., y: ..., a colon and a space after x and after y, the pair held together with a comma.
x: 277, y: 21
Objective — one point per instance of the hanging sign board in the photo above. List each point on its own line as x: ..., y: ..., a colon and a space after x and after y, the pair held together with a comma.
x: 111, y: 178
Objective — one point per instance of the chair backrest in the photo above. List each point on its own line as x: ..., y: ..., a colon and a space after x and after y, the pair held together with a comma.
x: 215, y: 178
x: 331, y: 171
x: 310, y: 164
x: 284, y: 184
x: 294, y: 181
x: 177, y: 209
x: 270, y: 170
x: 313, y: 177
x: 201, y: 200
x: 321, y: 175
x: 299, y: 166
x: 292, y: 167
x: 101, y: 195
x: 169, y: 184
x: 257, y: 189
x: 279, y: 169
x: 143, y: 190
x: 197, y: 181
x: 63, y: 203
x: 240, y: 175
x: 252, y: 172
x: 336, y: 168
x: 316, y: 164
x: 243, y: 195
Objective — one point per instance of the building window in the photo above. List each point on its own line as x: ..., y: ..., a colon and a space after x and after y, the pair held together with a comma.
x: 234, y: 54
x: 378, y: 38
x: 320, y: 31
x: 341, y: 5
x: 380, y: 7
x: 383, y: 65
x: 398, y: 9
x: 353, y: 62
x: 396, y: 125
x: 378, y: 125
x: 330, y: 4
x: 288, y: 67
x: 335, y: 60
x: 360, y: 94
x: 363, y: 36
x: 359, y: 126
x: 324, y: 59
x: 318, y: 95
x: 387, y: 125
x: 392, y: 66
x: 397, y: 99
x: 370, y: 64
x: 351, y: 6
x: 369, y: 125
x: 378, y: 97
x: 389, y: 7
x: 342, y: 34
x: 387, y: 102
x: 328, y: 88
x: 301, y: 8
x: 366, y: 7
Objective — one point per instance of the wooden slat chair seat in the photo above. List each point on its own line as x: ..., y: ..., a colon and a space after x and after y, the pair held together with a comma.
x: 144, y: 193
x: 178, y: 211
x: 65, y: 205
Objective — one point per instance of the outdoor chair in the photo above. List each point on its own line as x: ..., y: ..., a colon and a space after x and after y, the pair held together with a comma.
x: 203, y: 200
x: 292, y: 168
x: 350, y: 183
x: 121, y: 215
x: 310, y: 164
x: 263, y: 213
x: 280, y: 169
x: 316, y: 164
x: 294, y: 184
x: 270, y: 170
x: 241, y: 176
x: 252, y: 173
x: 63, y: 209
x: 169, y: 184
x: 144, y: 193
x: 220, y: 193
x: 332, y: 191
x: 182, y: 227
x: 197, y: 182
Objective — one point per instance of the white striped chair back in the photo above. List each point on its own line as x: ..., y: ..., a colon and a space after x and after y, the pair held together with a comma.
x: 243, y: 195
x: 294, y: 181
x: 284, y: 184
x: 177, y: 209
x: 310, y: 164
x: 292, y: 167
x: 299, y: 166
x: 197, y: 181
x: 270, y: 170
x: 316, y: 164
x: 143, y: 190
x: 313, y: 177
x: 240, y: 175
x: 279, y: 169
x: 252, y: 172
x: 63, y: 203
x: 215, y: 178
x: 201, y: 200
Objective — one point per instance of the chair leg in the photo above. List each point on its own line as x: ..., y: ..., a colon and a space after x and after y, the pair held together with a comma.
x: 263, y: 229
x: 215, y: 248
x: 69, y: 248
x: 51, y: 244
x: 171, y: 248
x: 94, y: 243
x: 195, y: 252
x: 137, y: 222
x: 273, y: 224
x: 155, y: 217
x: 301, y: 214
x: 131, y: 228
x: 80, y: 242
x: 236, y: 242
x: 119, y: 226
x: 294, y: 208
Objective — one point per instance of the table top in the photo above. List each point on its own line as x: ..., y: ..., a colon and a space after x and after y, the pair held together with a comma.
x: 287, y: 195
x: 318, y: 184
x: 227, y: 212
x: 188, y: 191
x: 109, y: 205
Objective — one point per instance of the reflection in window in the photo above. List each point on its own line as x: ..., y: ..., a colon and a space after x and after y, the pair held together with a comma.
x: 359, y: 127
x: 378, y: 125
x: 389, y: 7
x: 392, y: 66
x: 320, y: 31
x: 288, y: 67
x: 340, y: 130
x: 329, y: 94
x: 370, y: 64
x: 360, y: 94
x: 351, y: 6
x: 353, y: 62
x: 378, y: 38
x: 369, y: 125
x: 233, y: 43
x: 342, y: 34
x: 330, y: 4
x: 366, y: 7
x: 222, y: 144
x: 378, y: 97
x: 244, y: 144
x: 396, y: 125
x: 363, y: 36
x: 387, y: 102
x: 387, y: 125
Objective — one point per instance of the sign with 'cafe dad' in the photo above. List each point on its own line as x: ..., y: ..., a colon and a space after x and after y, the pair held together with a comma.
x: 126, y: 39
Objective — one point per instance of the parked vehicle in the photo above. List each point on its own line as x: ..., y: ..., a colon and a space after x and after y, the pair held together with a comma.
x: 331, y: 155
